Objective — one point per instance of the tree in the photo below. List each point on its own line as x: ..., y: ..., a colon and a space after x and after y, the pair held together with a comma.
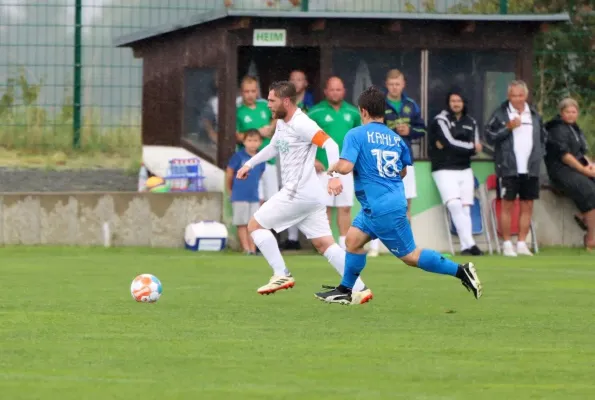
x: 565, y: 53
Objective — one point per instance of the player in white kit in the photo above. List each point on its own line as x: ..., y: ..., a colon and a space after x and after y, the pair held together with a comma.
x: 300, y: 201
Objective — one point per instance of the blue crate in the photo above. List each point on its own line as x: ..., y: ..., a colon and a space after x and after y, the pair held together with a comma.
x: 185, y: 175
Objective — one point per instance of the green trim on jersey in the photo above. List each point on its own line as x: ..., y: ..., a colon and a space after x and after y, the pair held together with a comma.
x: 336, y: 123
x: 254, y: 118
x: 396, y: 104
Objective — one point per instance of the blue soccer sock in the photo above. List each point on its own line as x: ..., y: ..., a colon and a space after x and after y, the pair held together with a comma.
x: 354, y: 265
x: 432, y: 261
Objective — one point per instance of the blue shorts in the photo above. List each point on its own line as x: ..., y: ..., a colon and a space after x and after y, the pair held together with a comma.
x: 392, y: 229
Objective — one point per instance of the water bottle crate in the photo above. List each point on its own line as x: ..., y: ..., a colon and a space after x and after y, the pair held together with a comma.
x: 185, y: 175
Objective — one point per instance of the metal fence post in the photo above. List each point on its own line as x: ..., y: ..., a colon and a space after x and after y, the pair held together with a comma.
x: 76, y: 116
x: 503, y: 6
x: 305, y: 5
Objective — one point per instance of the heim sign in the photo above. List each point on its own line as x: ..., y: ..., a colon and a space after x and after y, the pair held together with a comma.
x: 269, y: 37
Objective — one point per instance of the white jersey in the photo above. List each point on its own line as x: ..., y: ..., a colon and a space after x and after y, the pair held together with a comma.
x: 295, y: 143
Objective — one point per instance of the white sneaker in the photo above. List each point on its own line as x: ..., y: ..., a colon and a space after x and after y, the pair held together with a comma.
x: 522, y: 249
x: 277, y: 283
x: 373, y: 253
x: 361, y: 297
x: 508, y: 250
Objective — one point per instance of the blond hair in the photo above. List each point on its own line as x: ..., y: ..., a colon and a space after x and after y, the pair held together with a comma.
x: 566, y: 103
x: 394, y: 74
x: 248, y: 79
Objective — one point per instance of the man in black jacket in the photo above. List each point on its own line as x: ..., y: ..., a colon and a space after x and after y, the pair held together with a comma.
x: 453, y: 138
x: 516, y: 131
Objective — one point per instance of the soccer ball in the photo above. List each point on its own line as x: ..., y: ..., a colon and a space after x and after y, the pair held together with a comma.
x: 146, y: 288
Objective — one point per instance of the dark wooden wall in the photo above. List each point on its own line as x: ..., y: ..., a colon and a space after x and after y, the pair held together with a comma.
x: 164, y: 61
x: 216, y: 45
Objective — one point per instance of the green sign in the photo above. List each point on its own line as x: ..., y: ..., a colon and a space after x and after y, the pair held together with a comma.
x: 269, y: 37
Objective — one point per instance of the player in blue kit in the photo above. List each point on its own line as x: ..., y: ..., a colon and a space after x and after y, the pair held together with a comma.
x: 378, y: 158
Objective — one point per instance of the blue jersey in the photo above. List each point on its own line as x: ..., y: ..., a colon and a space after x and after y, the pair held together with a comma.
x: 245, y: 189
x: 378, y: 154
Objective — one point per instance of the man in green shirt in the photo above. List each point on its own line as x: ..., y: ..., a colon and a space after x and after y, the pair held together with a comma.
x: 254, y: 113
x: 336, y: 117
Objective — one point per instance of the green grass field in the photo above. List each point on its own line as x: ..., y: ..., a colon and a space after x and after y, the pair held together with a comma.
x: 69, y: 329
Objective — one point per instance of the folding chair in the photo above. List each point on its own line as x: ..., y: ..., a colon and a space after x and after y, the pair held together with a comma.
x: 496, y: 210
x: 478, y: 223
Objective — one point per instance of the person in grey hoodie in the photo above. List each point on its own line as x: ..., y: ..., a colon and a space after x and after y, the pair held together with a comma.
x: 517, y: 133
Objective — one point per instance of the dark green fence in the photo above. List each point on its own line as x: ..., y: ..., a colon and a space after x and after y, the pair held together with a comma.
x: 61, y: 77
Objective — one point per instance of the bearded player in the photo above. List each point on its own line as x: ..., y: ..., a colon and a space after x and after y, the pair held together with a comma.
x: 300, y: 201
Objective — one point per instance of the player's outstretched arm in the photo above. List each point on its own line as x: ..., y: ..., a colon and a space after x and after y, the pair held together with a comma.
x: 335, y: 186
x: 268, y: 152
x: 332, y: 154
x: 332, y: 151
x: 342, y: 167
x: 349, y: 155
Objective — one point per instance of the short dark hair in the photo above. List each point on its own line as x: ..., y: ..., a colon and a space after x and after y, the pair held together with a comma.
x: 252, y: 132
x: 373, y: 101
x: 284, y: 89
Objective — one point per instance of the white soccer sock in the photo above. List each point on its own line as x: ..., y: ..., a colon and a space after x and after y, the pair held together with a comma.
x: 342, y: 242
x: 462, y: 223
x: 293, y: 233
x: 375, y: 244
x: 467, y: 211
x: 266, y: 242
x: 336, y: 256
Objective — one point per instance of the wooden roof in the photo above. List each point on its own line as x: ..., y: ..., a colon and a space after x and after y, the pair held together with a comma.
x: 210, y: 16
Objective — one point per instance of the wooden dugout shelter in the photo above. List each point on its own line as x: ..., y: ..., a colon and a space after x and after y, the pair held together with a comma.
x: 191, y: 70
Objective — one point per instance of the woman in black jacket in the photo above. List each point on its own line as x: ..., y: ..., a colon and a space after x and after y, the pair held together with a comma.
x: 568, y: 166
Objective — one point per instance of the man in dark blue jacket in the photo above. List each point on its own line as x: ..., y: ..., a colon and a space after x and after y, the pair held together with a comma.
x: 404, y: 117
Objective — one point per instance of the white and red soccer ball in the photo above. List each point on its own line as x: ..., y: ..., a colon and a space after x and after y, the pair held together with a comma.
x: 146, y: 288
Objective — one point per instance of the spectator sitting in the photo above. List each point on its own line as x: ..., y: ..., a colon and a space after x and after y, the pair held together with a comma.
x: 453, y: 138
x: 244, y: 192
x: 569, y: 168
x: 518, y: 136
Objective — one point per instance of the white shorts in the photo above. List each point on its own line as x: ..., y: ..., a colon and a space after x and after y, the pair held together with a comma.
x: 269, y: 182
x: 281, y: 212
x: 409, y: 183
x: 455, y: 184
x: 345, y: 199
